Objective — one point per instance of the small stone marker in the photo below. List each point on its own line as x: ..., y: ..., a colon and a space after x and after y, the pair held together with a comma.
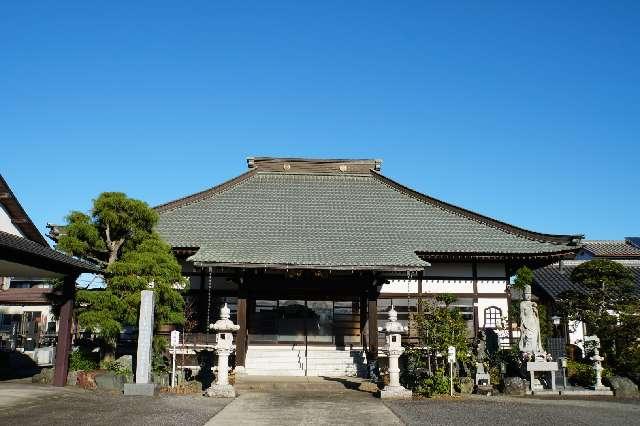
x: 143, y: 385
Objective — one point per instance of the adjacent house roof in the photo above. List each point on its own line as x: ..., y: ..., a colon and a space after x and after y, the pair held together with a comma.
x: 31, y: 255
x: 20, y: 250
x: 553, y: 280
x: 336, y: 214
x: 621, y: 249
x: 18, y: 216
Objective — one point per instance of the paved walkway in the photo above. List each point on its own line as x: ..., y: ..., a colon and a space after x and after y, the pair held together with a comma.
x: 305, y: 408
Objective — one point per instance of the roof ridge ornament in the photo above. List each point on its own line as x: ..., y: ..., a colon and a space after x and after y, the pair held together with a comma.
x: 313, y: 165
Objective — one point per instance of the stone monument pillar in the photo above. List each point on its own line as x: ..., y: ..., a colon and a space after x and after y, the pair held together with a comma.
x: 143, y: 385
x: 393, y: 329
x: 224, y: 347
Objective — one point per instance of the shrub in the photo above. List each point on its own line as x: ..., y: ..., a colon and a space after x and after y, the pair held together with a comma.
x: 117, y: 368
x: 438, y: 384
x: 159, y: 362
x: 82, y: 359
x: 583, y: 374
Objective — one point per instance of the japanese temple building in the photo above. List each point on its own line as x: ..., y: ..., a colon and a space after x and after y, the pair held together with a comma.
x: 310, y: 253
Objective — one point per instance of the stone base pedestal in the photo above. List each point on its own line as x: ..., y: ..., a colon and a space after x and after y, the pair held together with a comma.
x: 484, y: 390
x: 145, y: 389
x: 601, y: 390
x: 586, y: 392
x: 395, y: 392
x: 220, y: 391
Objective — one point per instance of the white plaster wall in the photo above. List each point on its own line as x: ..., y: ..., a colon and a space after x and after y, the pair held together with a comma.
x: 576, y: 333
x: 11, y: 309
x: 447, y: 286
x: 491, y: 270
x: 6, y: 225
x: 484, y: 303
x: 492, y: 286
x: 400, y: 286
x: 461, y: 270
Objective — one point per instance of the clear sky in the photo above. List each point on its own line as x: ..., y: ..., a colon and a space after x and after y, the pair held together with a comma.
x: 527, y: 113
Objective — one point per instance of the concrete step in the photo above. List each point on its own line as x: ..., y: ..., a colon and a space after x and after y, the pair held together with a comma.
x: 299, y: 384
x: 274, y: 372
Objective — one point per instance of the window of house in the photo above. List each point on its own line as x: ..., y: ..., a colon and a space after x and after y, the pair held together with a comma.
x: 492, y: 317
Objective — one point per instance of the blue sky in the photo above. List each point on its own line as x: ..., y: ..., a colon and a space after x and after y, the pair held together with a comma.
x: 527, y: 113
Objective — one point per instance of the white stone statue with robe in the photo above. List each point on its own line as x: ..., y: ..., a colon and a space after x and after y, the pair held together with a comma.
x: 530, y: 341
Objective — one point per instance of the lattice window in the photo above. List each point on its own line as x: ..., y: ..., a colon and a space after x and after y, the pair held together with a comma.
x: 492, y: 317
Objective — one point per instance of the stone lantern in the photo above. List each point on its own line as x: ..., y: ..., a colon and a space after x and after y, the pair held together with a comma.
x: 393, y: 329
x: 597, y: 365
x: 224, y: 328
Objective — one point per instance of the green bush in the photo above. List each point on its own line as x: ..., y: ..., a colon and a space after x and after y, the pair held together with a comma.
x: 583, y: 374
x: 117, y: 368
x: 82, y: 359
x: 438, y: 384
x: 159, y: 362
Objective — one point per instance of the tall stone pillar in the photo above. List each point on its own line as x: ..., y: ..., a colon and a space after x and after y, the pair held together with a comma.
x: 143, y: 385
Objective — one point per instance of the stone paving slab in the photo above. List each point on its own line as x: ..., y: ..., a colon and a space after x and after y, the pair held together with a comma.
x: 306, y: 408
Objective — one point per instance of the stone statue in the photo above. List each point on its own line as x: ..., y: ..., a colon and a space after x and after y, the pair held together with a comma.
x: 530, y: 341
x: 481, y: 347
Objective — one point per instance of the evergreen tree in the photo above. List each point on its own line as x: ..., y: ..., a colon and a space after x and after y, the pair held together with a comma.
x: 609, y: 305
x: 119, y: 236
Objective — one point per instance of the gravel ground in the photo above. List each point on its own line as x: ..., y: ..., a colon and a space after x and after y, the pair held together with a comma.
x: 506, y: 411
x: 78, y: 407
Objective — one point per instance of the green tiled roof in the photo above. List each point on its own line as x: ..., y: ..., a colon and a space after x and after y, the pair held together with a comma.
x: 359, y: 221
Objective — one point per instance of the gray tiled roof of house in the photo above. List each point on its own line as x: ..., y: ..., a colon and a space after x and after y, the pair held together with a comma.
x: 15, y: 248
x: 555, y: 279
x: 351, y: 220
x: 611, y: 248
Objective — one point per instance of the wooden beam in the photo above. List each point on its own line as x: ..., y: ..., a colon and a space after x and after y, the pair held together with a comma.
x: 372, y: 319
x: 363, y: 321
x: 64, y: 331
x: 241, y: 337
x: 476, y: 321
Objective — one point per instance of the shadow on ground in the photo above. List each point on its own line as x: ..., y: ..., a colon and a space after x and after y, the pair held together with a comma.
x: 16, y: 365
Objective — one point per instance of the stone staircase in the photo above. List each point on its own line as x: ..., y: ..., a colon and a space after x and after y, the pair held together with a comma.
x: 292, y: 361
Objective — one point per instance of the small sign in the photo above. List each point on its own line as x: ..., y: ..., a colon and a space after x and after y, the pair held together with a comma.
x: 175, y: 338
x: 451, y: 354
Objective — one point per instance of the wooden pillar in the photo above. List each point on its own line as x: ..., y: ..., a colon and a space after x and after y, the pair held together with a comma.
x: 372, y: 319
x: 507, y: 273
x: 420, y: 280
x: 241, y: 337
x: 64, y: 330
x: 202, y: 301
x: 363, y: 320
x: 476, y: 320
